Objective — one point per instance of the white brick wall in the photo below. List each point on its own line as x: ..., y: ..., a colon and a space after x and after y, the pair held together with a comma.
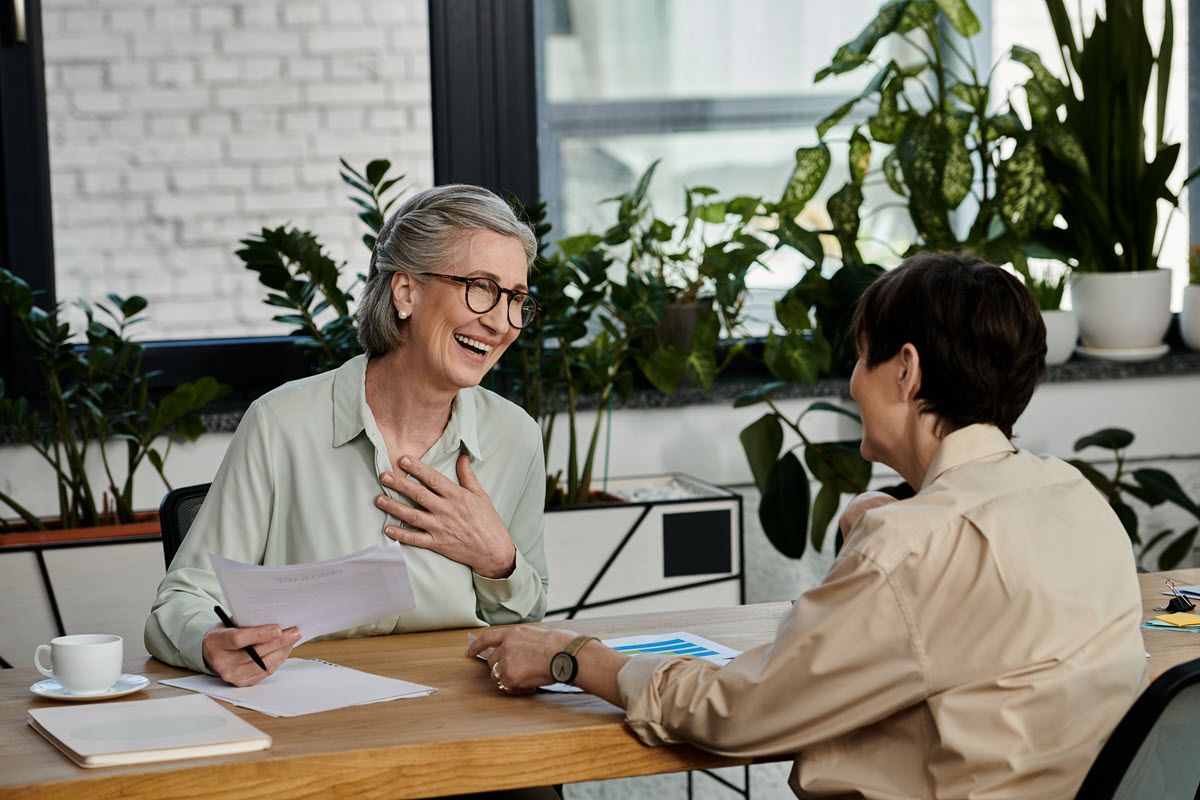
x: 177, y: 127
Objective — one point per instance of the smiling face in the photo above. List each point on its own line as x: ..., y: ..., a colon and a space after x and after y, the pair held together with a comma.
x: 448, y: 344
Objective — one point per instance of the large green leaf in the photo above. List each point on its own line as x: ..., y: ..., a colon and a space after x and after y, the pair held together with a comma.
x: 812, y: 164
x: 796, y: 356
x: 1026, y: 198
x: 860, y: 157
x: 783, y: 510
x: 843, y: 207
x: 961, y: 16
x: 890, y: 15
x: 1164, y: 485
x: 1174, y: 553
x: 887, y: 123
x: 892, y: 173
x: 759, y: 395
x: 824, y: 507
x: 1128, y: 519
x: 834, y: 117
x: 1052, y: 89
x: 762, y: 440
x: 1111, y: 438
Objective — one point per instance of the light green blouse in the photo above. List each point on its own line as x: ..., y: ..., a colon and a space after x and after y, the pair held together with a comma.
x: 298, y: 485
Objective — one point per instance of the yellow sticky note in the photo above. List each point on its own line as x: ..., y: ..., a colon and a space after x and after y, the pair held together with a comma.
x: 1179, y: 620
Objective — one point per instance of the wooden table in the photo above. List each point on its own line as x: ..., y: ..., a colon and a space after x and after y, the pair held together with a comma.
x: 465, y: 737
x: 1167, y: 648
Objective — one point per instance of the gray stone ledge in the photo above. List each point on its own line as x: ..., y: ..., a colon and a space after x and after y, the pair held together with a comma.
x: 725, y: 392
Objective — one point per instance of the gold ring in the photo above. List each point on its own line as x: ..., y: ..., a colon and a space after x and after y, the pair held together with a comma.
x: 496, y: 670
x: 501, y: 687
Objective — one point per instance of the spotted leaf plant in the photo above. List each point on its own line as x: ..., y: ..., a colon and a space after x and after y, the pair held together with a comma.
x: 949, y: 149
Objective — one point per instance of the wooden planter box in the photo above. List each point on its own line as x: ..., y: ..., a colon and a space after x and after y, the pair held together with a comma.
x: 646, y: 554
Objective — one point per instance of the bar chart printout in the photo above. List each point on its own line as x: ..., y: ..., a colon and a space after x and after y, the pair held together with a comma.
x: 675, y: 644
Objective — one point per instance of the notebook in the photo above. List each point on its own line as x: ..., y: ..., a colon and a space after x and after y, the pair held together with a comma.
x: 107, y: 734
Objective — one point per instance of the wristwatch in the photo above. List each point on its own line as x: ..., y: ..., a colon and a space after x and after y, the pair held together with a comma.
x: 564, y: 667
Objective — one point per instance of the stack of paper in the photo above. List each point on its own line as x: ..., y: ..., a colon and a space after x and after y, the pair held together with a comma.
x: 1174, y: 622
x: 319, y: 598
x: 106, y: 734
x: 304, y: 686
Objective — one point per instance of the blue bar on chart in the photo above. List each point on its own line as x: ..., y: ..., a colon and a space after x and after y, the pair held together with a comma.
x: 676, y: 647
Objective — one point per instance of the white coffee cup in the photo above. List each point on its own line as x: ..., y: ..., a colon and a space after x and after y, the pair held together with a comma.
x: 83, y: 664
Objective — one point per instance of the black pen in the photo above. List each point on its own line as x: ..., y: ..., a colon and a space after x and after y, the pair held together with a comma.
x: 228, y: 623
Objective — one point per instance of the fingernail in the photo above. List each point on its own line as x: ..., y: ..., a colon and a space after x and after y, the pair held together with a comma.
x: 380, y: 501
x: 406, y: 462
x: 387, y: 478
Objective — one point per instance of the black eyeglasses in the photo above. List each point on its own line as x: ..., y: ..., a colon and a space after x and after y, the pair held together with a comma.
x: 484, y: 293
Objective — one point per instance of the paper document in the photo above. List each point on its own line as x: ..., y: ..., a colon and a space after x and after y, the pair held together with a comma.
x: 1188, y: 591
x: 667, y: 644
x: 320, y: 598
x: 305, y: 686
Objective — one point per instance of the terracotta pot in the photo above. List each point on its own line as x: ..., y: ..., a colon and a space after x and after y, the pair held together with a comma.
x: 676, y: 328
x: 1189, y: 318
x: 1062, y: 331
x: 19, y: 534
x: 1122, y: 310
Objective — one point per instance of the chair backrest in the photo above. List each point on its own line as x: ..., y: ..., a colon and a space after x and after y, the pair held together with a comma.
x: 1154, y: 752
x: 176, y: 515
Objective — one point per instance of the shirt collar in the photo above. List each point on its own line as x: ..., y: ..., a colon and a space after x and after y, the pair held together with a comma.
x: 966, y: 444
x: 352, y: 415
x: 350, y: 411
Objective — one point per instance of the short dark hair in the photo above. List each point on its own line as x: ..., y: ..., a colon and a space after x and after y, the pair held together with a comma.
x: 976, y: 327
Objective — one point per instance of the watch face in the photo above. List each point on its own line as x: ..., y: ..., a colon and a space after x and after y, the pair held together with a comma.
x: 562, y: 667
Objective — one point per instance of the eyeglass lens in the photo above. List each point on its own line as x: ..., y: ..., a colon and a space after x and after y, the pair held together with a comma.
x: 484, y: 293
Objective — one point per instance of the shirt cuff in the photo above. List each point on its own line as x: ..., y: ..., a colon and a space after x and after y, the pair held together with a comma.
x: 517, y: 593
x: 192, y: 651
x: 643, y: 709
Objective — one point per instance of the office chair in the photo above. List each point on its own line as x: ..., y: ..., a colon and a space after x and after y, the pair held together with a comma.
x: 176, y: 515
x: 1152, y: 753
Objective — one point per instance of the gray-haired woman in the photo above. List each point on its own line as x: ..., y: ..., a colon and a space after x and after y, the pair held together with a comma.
x: 461, y: 469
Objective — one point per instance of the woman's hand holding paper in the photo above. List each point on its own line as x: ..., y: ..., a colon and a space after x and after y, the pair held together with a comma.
x: 224, y: 653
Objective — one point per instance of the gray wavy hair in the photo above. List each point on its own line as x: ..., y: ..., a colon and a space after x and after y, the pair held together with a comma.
x: 424, y: 235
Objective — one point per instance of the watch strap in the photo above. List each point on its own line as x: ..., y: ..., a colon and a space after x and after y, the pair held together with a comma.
x: 579, y: 641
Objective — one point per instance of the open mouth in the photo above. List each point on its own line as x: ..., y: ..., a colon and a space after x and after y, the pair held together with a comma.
x: 472, y: 345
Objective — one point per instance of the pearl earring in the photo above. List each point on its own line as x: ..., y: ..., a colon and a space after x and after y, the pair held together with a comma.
x: 402, y: 314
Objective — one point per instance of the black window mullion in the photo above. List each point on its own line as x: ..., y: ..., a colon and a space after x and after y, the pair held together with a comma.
x: 484, y: 95
x: 26, y: 240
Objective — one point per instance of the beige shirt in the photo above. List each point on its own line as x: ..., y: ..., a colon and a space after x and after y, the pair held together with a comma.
x: 298, y: 484
x: 979, y: 640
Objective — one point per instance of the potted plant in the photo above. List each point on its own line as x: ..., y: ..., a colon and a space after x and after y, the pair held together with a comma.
x: 684, y: 281
x: 947, y: 140
x: 1048, y: 285
x: 94, y: 392
x: 1189, y: 317
x: 308, y: 284
x: 1110, y: 174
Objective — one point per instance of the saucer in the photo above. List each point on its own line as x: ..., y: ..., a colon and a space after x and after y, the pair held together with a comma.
x: 126, y: 684
x: 1124, y: 353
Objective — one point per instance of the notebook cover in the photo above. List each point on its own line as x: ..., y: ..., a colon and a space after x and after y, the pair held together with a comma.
x: 141, y: 731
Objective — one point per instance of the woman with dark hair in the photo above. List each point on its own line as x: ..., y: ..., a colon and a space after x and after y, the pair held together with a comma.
x: 958, y: 646
x: 398, y: 444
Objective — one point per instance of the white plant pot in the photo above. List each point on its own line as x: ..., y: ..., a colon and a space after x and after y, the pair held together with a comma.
x: 1122, y: 310
x: 646, y: 554
x: 1189, y: 318
x: 1062, y: 331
